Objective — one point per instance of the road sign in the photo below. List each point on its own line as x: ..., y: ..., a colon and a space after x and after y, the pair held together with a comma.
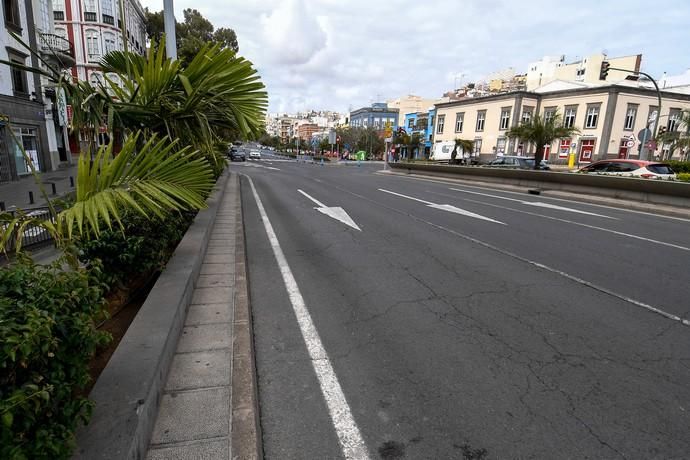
x: 630, y: 143
x: 331, y: 136
x: 650, y: 145
x: 644, y: 134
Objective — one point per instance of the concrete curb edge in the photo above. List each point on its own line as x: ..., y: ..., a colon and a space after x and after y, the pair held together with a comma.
x: 128, y: 392
x: 246, y: 440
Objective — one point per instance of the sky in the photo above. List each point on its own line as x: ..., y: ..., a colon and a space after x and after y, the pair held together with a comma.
x: 345, y: 54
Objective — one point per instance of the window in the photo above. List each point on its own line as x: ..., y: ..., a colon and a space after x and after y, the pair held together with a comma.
x: 441, y: 123
x: 459, y: 121
x: 19, y: 84
x: 592, y: 116
x: 109, y: 42
x: 410, y: 123
x: 501, y: 145
x: 477, y: 146
x: 92, y: 45
x: 505, y: 118
x: 630, y: 116
x: 481, y: 117
x: 90, y: 5
x: 569, y: 118
x: 673, y: 120
x: 107, y: 7
x: 549, y: 113
x: 12, y: 17
x: 526, y: 115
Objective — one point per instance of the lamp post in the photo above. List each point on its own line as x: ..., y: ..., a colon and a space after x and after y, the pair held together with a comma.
x: 170, y: 37
x: 455, y: 80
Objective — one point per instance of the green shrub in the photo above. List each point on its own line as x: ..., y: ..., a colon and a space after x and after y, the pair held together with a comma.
x: 142, y: 246
x: 679, y: 166
x: 685, y: 177
x: 47, y: 338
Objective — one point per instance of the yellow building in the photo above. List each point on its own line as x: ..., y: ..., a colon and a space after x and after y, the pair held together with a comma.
x: 609, y: 119
x: 585, y: 70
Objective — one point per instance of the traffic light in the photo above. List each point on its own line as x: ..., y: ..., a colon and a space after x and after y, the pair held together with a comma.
x: 604, y: 70
x: 662, y: 131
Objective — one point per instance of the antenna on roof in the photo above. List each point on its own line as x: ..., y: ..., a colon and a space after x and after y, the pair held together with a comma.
x: 604, y: 52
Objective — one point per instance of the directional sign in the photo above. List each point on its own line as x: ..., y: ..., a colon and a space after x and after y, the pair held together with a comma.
x: 630, y: 143
x: 336, y: 213
x: 446, y: 207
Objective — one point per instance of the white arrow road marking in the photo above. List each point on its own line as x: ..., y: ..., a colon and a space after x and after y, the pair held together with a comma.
x: 336, y: 212
x: 254, y: 165
x: 445, y: 207
x: 536, y: 203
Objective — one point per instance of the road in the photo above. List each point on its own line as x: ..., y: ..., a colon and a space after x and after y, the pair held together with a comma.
x: 453, y: 321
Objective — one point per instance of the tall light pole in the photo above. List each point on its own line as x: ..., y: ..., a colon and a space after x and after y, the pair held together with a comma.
x: 170, y: 38
x: 455, y: 80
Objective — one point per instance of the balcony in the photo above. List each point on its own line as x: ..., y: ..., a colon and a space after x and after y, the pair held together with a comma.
x: 90, y: 16
x: 107, y: 19
x: 59, y: 15
x: 57, y: 49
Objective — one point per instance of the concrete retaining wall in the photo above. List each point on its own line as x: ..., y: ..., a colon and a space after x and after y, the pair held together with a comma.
x: 644, y: 190
x: 128, y: 392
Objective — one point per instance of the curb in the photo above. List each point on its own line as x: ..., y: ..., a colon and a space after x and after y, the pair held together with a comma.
x: 245, y: 424
x: 664, y: 210
x: 128, y: 392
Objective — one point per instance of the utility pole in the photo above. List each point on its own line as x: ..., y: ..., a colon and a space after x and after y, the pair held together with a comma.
x: 170, y: 36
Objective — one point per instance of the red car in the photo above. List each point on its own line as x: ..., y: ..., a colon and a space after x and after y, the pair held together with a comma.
x: 631, y: 168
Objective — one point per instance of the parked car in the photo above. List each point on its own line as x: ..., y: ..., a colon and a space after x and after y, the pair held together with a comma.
x: 631, y: 168
x: 254, y: 154
x: 516, y: 162
x: 236, y: 155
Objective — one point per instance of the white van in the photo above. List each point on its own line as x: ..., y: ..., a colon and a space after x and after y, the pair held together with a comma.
x: 443, y: 150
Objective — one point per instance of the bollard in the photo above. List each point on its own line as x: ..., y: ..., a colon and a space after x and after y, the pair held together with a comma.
x: 321, y: 161
x: 71, y: 181
x: 31, y: 197
x: 2, y: 205
x: 52, y: 185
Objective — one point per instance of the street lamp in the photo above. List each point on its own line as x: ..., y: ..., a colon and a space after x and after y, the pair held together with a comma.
x: 170, y: 38
x: 455, y: 80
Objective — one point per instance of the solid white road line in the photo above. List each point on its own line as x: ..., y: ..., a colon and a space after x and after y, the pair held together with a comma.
x: 593, y: 227
x: 446, y: 207
x: 351, y: 441
x: 536, y: 203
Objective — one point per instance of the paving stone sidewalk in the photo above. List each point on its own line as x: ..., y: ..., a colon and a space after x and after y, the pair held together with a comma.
x: 195, y: 415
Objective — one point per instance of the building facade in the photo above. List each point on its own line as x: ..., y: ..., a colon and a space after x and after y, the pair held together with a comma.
x: 378, y: 116
x: 581, y: 70
x: 95, y: 28
x: 24, y: 116
x: 609, y: 118
x: 409, y: 104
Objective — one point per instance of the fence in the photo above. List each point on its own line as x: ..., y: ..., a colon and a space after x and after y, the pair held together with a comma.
x: 33, y: 235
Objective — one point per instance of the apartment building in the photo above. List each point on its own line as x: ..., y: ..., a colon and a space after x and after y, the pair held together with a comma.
x: 378, y: 116
x: 584, y: 70
x: 25, y: 110
x: 409, y: 104
x: 94, y: 28
x: 608, y: 117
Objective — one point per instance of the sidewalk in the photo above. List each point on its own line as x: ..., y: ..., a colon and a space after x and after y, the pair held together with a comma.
x: 17, y: 193
x: 207, y: 387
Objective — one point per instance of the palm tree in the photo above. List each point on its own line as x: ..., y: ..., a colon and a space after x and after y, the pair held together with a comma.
x: 464, y: 144
x: 541, y: 132
x: 680, y: 137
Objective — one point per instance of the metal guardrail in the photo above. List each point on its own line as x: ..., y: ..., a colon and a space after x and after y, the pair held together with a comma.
x: 33, y: 235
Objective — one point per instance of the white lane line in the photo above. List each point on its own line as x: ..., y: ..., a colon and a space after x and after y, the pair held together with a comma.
x: 536, y: 203
x: 351, y: 441
x: 585, y: 203
x: 446, y: 207
x: 593, y: 227
x: 335, y: 212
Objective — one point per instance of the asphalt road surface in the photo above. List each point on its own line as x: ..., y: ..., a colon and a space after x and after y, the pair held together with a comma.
x: 431, y: 320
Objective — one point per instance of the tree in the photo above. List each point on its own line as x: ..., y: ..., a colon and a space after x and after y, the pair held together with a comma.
x: 680, y: 137
x: 542, y: 132
x: 192, y: 34
x: 464, y: 144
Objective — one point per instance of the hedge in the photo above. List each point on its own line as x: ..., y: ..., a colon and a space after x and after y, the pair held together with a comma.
x: 47, y: 338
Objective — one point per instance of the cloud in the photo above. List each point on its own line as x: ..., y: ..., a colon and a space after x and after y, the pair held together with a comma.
x: 292, y: 33
x: 333, y: 54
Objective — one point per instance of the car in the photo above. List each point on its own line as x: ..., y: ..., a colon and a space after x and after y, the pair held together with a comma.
x: 516, y: 162
x: 236, y: 155
x: 631, y: 168
x: 255, y: 154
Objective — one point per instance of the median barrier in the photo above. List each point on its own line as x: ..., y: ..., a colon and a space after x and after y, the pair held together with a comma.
x: 672, y: 193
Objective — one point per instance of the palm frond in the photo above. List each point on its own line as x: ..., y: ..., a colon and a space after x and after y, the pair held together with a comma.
x: 153, y: 180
